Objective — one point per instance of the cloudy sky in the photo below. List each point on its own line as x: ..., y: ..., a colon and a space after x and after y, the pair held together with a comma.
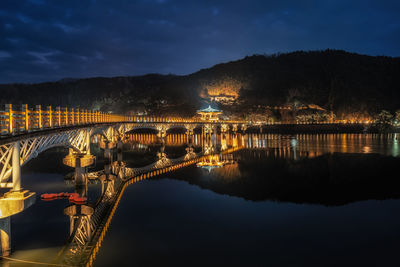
x: 47, y: 40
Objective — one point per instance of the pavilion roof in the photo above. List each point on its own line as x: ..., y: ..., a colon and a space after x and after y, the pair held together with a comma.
x: 209, y: 109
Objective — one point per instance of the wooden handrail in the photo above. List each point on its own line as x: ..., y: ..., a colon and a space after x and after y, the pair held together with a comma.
x: 17, y: 119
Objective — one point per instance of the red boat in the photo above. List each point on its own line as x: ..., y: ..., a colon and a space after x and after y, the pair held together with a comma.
x: 49, y: 197
x: 72, y: 197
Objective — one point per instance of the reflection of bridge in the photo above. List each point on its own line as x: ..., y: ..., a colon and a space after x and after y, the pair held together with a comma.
x: 88, y: 224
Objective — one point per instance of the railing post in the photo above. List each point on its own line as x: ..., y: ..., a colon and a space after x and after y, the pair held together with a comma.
x: 72, y: 116
x: 66, y: 116
x: 50, y: 116
x: 58, y: 111
x: 10, y: 118
x: 25, y: 109
x: 39, y: 112
x: 78, y: 116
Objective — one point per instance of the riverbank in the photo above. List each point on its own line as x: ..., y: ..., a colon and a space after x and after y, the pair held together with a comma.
x: 321, y: 128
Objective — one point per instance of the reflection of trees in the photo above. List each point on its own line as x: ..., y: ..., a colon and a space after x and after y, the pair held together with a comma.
x: 331, y: 179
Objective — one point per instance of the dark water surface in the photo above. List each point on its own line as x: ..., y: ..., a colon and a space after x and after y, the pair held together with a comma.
x: 305, y: 200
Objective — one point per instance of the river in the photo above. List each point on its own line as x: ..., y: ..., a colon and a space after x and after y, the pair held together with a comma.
x: 272, y: 200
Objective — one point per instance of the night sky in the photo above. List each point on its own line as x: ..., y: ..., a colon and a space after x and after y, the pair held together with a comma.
x: 49, y: 40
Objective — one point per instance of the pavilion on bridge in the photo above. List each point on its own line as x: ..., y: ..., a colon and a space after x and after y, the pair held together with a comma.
x: 209, y: 114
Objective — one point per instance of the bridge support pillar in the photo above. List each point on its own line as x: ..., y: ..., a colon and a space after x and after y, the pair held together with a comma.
x: 5, y: 236
x: 224, y: 128
x: 83, y: 212
x: 234, y: 128
x: 190, y: 138
x: 107, y: 182
x: 108, y: 146
x: 224, y: 141
x: 79, y: 161
x: 11, y: 203
x: 88, y: 142
x: 107, y: 153
x: 120, y: 146
x: 80, y: 173
x: 16, y: 167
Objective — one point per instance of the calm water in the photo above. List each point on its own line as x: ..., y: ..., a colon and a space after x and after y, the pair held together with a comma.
x: 304, y: 200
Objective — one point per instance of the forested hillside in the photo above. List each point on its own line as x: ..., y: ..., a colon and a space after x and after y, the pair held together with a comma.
x: 330, y: 80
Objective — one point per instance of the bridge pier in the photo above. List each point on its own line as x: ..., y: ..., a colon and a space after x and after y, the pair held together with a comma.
x: 107, y: 183
x: 11, y: 203
x: 5, y: 236
x: 14, y: 201
x: 107, y: 146
x: 79, y: 161
x: 107, y: 150
x: 234, y: 128
x: 161, y: 154
x: 235, y: 141
x: 224, y: 141
x: 120, y: 146
x: 224, y: 128
x: 16, y: 167
x: 190, y: 133
x: 80, y: 214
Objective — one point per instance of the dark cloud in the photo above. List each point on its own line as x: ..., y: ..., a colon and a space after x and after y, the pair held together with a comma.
x: 44, y: 40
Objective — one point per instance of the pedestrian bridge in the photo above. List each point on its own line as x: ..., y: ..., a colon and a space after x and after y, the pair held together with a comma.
x: 26, y: 132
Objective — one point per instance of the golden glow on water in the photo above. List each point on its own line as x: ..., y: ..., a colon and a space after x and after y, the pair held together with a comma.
x: 305, y: 144
x: 221, y: 147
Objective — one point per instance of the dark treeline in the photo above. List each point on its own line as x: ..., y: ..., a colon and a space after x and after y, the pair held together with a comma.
x: 335, y: 80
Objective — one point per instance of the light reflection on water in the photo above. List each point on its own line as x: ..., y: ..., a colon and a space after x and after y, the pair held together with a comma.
x: 305, y: 144
x: 159, y: 218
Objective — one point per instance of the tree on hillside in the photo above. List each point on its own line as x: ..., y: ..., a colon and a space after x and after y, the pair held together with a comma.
x: 384, y: 120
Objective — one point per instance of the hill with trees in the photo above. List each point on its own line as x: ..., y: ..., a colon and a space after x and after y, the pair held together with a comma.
x: 280, y: 86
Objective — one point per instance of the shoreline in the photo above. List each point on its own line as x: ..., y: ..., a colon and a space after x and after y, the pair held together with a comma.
x: 320, y: 128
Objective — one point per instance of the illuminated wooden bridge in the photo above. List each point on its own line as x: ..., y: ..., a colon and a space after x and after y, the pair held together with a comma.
x: 26, y: 132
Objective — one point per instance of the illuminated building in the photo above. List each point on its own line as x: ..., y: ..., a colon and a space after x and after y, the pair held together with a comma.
x: 209, y: 114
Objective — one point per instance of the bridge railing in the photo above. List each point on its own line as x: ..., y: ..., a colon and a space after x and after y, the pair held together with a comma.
x: 22, y: 119
x: 17, y: 119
